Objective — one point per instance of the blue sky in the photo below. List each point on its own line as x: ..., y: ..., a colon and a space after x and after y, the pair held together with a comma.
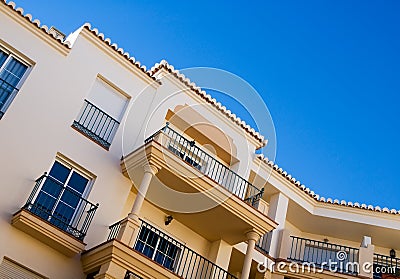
x: 327, y: 70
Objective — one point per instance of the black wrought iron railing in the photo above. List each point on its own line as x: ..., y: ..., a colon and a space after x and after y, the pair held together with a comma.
x: 342, y: 259
x: 131, y: 275
x: 208, y: 165
x: 264, y: 242
x: 96, y: 124
x: 61, y: 206
x: 6, y: 91
x: 114, y: 230
x: 172, y: 254
x: 386, y: 265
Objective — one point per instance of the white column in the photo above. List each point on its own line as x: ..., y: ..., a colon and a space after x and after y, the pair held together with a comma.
x: 277, y: 211
x: 130, y: 225
x: 149, y: 172
x: 252, y: 238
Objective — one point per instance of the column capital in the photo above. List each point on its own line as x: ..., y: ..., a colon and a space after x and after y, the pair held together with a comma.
x: 148, y: 168
x: 252, y: 235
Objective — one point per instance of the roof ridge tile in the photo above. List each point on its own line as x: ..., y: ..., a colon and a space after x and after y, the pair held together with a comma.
x: 35, y: 22
x: 203, y: 94
x: 319, y: 198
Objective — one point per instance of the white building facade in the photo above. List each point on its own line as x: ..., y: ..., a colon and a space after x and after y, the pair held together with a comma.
x: 113, y: 171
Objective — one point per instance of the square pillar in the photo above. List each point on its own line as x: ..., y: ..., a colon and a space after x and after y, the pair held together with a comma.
x: 366, y: 258
x: 111, y: 270
x: 277, y: 211
x: 284, y: 244
x: 220, y: 253
x: 129, y: 230
x: 265, y: 275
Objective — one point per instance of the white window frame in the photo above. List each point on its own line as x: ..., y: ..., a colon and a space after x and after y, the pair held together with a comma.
x: 21, y: 81
x: 153, y: 256
x: 73, y: 167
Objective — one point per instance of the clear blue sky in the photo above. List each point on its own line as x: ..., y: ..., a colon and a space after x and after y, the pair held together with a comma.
x: 328, y: 71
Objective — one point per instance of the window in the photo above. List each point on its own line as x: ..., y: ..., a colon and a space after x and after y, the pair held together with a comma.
x: 160, y: 249
x: 101, y: 113
x: 61, y: 199
x: 187, y: 155
x: 12, y: 72
x: 12, y: 269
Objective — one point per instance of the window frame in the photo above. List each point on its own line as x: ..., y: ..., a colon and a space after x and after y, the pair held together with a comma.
x: 72, y: 168
x: 156, y: 251
x: 12, y: 54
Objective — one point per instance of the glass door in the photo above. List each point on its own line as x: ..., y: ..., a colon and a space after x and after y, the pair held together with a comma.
x: 60, y: 195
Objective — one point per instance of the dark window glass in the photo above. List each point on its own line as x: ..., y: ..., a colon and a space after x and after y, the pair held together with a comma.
x: 3, y: 57
x: 13, y: 72
x: 59, y: 172
x: 78, y: 182
x: 154, y: 246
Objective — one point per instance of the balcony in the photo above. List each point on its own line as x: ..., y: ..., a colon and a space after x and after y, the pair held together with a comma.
x: 7, y: 91
x: 96, y: 124
x: 207, y: 165
x: 324, y: 254
x: 263, y: 243
x: 386, y: 267
x: 56, y: 215
x: 189, y: 172
x: 158, y: 251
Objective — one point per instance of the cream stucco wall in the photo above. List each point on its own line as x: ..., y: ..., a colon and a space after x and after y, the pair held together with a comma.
x: 37, y: 126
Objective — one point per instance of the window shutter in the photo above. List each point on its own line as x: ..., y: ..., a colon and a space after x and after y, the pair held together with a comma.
x: 107, y: 99
x: 12, y: 270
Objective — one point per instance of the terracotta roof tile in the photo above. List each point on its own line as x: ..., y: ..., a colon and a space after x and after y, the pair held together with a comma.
x: 170, y: 69
x: 119, y: 50
x: 35, y: 22
x: 95, y: 31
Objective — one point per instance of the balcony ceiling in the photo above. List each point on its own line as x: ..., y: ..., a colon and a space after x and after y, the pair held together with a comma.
x: 332, y: 222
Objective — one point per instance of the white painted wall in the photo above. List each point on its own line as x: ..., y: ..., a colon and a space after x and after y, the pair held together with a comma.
x: 37, y: 126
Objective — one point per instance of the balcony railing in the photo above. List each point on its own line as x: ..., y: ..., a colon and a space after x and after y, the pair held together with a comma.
x: 173, y: 255
x: 263, y: 243
x: 96, y: 124
x: 131, y: 275
x: 386, y: 265
x: 114, y: 230
x: 6, y: 90
x: 207, y: 164
x: 324, y: 255
x: 61, y: 206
